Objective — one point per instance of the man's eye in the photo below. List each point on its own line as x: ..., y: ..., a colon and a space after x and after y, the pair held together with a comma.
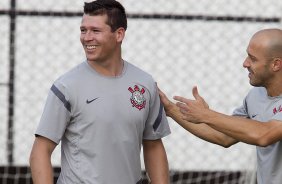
x: 253, y: 59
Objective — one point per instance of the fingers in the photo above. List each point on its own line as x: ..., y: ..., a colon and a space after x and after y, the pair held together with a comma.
x: 181, y: 105
x: 195, y: 93
x: 185, y: 100
x: 181, y: 99
x: 161, y: 93
x: 183, y: 108
x: 163, y: 97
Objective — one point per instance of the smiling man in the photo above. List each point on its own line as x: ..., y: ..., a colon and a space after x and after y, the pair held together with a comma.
x: 102, y: 111
x: 258, y: 121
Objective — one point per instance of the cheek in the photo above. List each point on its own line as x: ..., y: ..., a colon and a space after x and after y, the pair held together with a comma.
x: 259, y: 70
x: 109, y: 45
x: 81, y: 38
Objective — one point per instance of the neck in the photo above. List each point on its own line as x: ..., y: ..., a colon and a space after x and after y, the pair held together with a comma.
x: 275, y: 88
x: 111, y: 68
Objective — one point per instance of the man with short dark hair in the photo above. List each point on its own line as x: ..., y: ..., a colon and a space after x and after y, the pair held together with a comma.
x: 102, y: 111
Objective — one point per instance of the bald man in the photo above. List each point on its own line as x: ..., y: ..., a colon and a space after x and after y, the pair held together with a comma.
x: 258, y: 121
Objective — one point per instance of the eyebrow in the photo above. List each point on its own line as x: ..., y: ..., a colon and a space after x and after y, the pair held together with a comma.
x: 251, y: 56
x: 90, y: 27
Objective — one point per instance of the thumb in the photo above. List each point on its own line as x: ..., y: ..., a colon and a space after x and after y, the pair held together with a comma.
x: 196, y: 93
x: 198, y: 97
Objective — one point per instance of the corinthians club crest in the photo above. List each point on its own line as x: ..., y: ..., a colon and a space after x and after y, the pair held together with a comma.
x: 137, y: 98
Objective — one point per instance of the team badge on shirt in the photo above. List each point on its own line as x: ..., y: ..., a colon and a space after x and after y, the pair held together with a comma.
x: 277, y: 109
x: 137, y: 98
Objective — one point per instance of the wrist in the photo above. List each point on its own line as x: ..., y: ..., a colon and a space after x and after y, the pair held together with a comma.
x: 208, y: 116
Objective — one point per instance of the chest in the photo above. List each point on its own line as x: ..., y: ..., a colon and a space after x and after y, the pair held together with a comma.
x: 264, y: 109
x: 113, y: 106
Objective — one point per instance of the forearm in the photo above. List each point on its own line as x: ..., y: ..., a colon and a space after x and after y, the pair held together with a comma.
x: 156, y: 162
x: 40, y: 161
x: 202, y: 130
x: 41, y: 169
x: 242, y: 129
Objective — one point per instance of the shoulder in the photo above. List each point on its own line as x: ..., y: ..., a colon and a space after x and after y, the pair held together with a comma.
x: 257, y: 96
x: 137, y: 72
x: 140, y: 77
x: 257, y: 92
x: 69, y: 82
x: 73, y: 75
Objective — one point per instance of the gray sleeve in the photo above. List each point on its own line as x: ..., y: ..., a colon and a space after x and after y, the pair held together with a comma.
x: 242, y: 110
x: 157, y: 124
x: 56, y: 114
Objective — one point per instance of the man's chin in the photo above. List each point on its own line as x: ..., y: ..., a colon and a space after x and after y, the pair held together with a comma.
x: 91, y: 58
x: 255, y: 84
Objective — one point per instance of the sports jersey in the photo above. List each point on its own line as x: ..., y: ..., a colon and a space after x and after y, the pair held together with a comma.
x: 101, y: 122
x: 261, y: 107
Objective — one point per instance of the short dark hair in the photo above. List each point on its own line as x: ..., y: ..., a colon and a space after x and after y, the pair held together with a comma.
x: 113, y: 9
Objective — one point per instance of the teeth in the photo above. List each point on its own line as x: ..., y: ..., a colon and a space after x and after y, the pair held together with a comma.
x: 90, y: 47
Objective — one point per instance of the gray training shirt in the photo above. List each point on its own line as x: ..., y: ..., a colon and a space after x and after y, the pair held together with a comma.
x: 101, y: 122
x: 259, y: 106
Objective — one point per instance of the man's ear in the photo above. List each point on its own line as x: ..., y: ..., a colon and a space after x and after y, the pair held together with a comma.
x: 277, y: 64
x: 120, y: 33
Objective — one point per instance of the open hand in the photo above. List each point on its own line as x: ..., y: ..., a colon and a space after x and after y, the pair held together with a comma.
x: 193, y: 110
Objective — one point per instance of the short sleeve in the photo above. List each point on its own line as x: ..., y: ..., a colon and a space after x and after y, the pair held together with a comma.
x: 157, y: 124
x: 242, y: 110
x: 56, y: 114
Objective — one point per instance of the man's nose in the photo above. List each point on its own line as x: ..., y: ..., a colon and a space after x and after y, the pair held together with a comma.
x: 89, y: 36
x: 246, y: 63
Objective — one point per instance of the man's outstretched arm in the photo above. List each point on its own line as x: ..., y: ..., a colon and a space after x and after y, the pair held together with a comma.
x: 202, y: 131
x: 240, y: 128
